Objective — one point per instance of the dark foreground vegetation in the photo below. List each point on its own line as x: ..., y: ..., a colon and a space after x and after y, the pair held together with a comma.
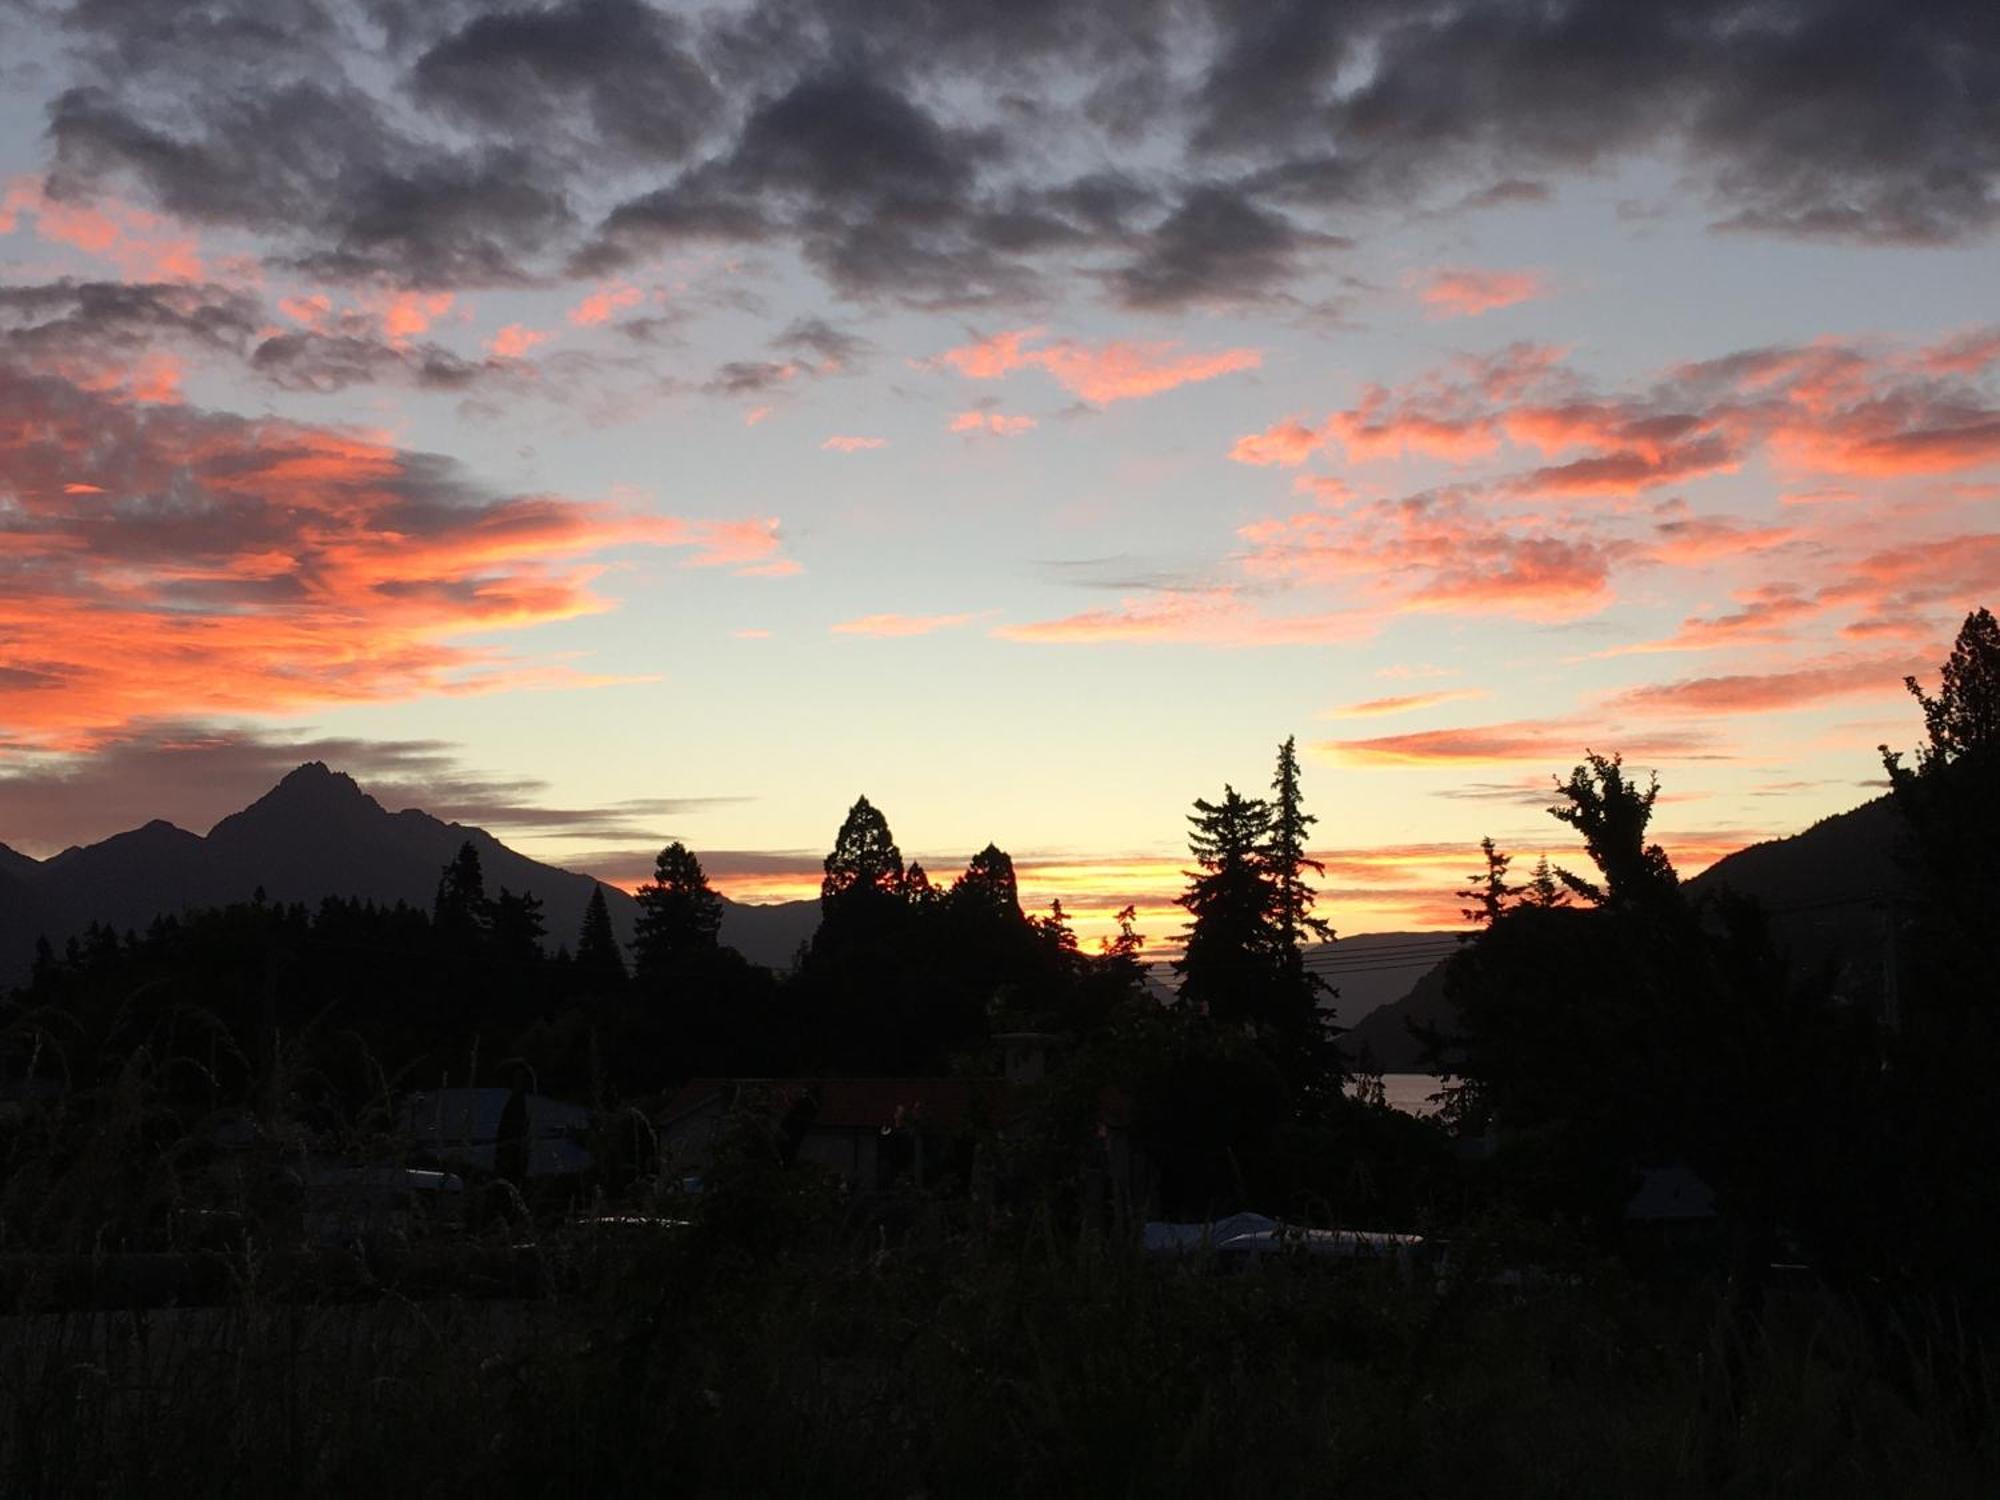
x: 185, y: 1309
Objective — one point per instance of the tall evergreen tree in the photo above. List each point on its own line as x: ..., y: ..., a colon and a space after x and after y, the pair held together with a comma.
x: 460, y: 906
x: 1286, y: 859
x: 680, y: 916
x: 1232, y: 937
x: 598, y: 962
x: 987, y: 887
x: 865, y: 863
x: 1488, y: 889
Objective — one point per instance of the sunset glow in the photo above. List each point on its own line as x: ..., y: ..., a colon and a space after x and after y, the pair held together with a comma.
x: 1026, y: 425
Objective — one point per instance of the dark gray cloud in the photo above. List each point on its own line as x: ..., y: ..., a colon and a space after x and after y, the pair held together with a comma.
x: 317, y: 166
x: 620, y: 64
x: 80, y: 327
x: 957, y: 152
x: 1216, y: 246
x: 325, y: 363
x: 100, y: 321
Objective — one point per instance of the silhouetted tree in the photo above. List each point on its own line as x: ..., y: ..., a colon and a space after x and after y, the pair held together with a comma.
x: 1286, y: 859
x: 679, y: 915
x: 1964, y: 718
x: 987, y: 887
x: 518, y: 929
x: 598, y: 963
x: 1611, y: 813
x: 865, y: 863
x: 917, y: 888
x: 1488, y: 889
x: 1543, y: 888
x: 460, y: 906
x: 1226, y: 966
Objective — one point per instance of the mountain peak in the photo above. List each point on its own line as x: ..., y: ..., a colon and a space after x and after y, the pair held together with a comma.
x: 313, y: 798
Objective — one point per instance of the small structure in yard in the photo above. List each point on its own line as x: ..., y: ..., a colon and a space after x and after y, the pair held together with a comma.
x: 870, y: 1132
x: 463, y: 1127
x: 1671, y: 1212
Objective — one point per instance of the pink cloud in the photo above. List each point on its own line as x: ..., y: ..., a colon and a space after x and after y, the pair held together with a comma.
x: 143, y: 246
x: 406, y: 314
x: 1406, y: 703
x: 515, y: 340
x: 1546, y: 741
x: 992, y: 423
x: 1469, y: 293
x: 1202, y: 617
x: 891, y: 625
x: 1778, y: 691
x: 601, y: 304
x: 844, y: 444
x: 1112, y: 371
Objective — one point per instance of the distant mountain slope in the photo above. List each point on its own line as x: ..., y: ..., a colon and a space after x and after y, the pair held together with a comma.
x: 1823, y: 890
x: 315, y: 834
x: 14, y: 863
x: 1374, y: 969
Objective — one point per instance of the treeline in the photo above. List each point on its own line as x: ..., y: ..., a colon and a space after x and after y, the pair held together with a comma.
x: 1604, y: 1022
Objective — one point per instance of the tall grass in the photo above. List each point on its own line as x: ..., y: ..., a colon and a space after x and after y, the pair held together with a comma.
x: 916, y: 1353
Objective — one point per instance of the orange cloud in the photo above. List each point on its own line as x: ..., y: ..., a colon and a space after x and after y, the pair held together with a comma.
x: 1112, y: 371
x: 1548, y: 741
x: 997, y: 424
x: 515, y: 340
x: 406, y: 314
x: 601, y: 304
x: 1468, y: 293
x: 1406, y: 703
x: 1288, y: 443
x: 209, y: 564
x: 899, y: 625
x: 842, y: 444
x: 1968, y: 353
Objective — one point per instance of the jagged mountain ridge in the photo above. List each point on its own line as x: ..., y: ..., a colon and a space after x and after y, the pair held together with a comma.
x: 315, y: 834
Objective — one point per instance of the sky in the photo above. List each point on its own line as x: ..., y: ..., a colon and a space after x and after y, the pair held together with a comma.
x: 611, y: 423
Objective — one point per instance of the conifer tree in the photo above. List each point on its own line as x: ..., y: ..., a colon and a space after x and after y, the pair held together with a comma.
x: 1488, y: 890
x: 598, y: 962
x: 460, y: 906
x: 988, y: 888
x: 1226, y: 967
x: 865, y: 862
x: 680, y: 916
x: 1286, y: 859
x: 1543, y: 888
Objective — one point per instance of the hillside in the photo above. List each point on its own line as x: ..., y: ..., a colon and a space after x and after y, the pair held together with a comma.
x: 315, y: 834
x: 1823, y: 890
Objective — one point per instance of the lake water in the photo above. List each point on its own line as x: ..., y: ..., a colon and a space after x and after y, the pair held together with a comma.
x: 1411, y: 1092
